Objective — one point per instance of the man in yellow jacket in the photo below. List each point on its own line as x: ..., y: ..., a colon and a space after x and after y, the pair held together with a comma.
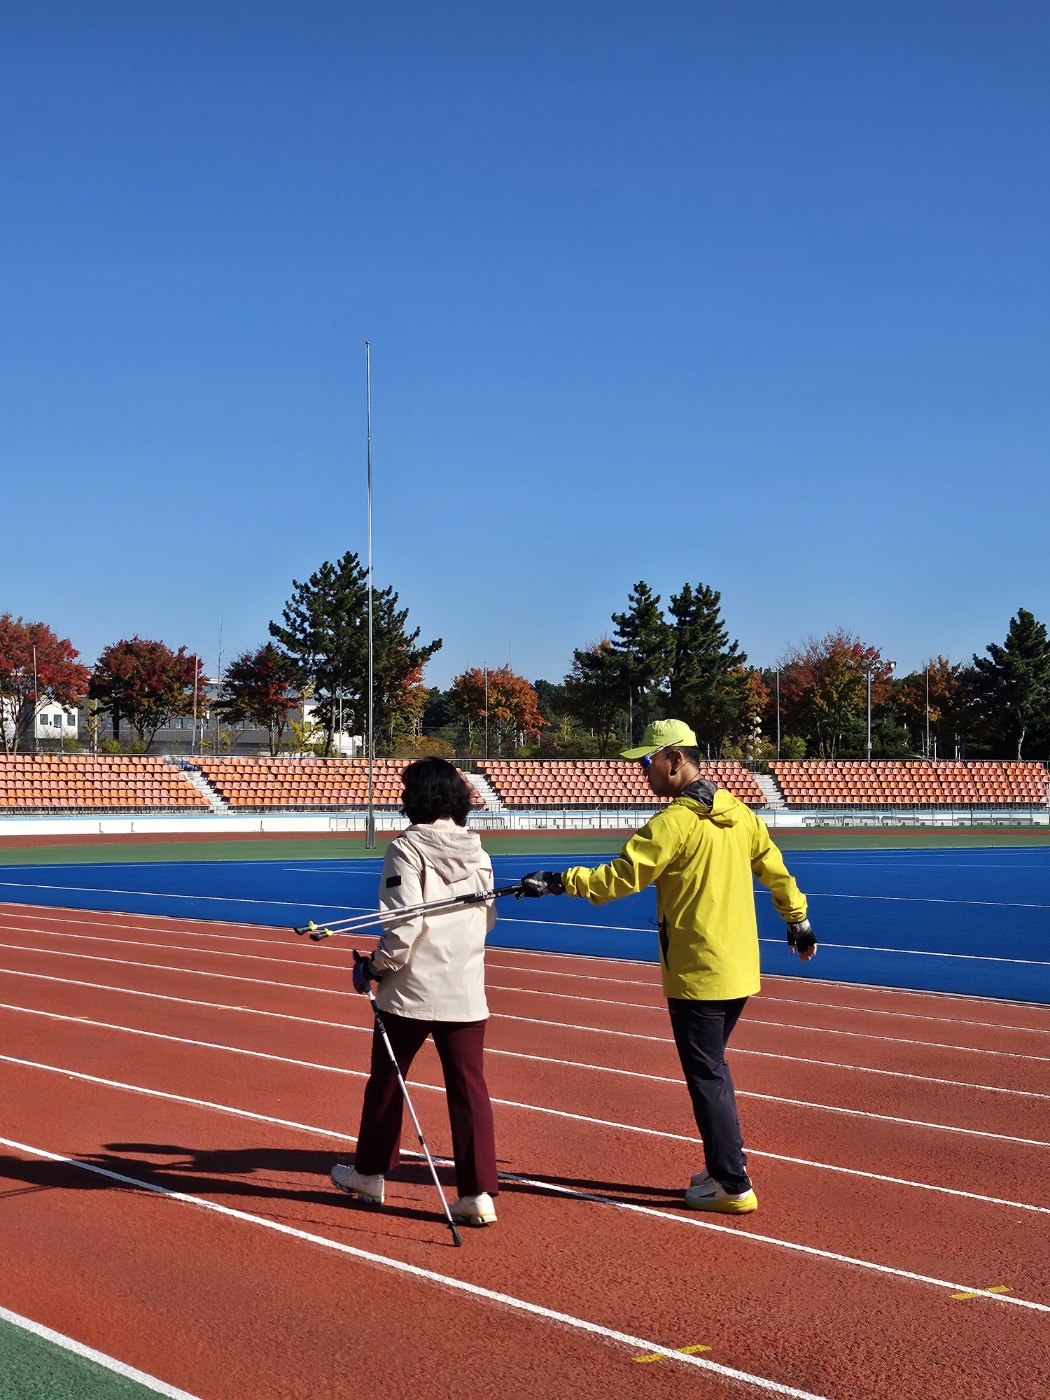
x: 700, y: 852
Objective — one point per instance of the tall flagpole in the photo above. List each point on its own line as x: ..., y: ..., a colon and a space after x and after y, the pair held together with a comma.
x: 370, y: 820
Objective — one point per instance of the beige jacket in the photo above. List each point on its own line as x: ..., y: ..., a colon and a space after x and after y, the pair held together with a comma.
x: 433, y: 965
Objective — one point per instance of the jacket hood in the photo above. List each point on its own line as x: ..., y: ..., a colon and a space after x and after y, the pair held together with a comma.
x: 725, y: 809
x: 451, y: 850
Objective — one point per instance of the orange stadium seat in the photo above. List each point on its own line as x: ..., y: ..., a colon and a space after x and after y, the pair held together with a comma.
x: 41, y: 783
x: 911, y: 783
x: 289, y: 784
x: 597, y: 783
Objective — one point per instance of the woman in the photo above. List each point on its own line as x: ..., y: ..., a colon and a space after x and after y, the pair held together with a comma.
x: 431, y: 972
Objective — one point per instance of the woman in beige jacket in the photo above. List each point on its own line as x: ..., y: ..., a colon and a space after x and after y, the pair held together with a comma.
x: 431, y: 971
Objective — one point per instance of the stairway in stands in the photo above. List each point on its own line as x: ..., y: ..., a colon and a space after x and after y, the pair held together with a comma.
x: 772, y: 794
x: 200, y: 782
x: 487, y: 791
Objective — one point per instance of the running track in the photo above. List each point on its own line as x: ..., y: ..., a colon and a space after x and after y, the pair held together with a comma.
x: 900, y: 1145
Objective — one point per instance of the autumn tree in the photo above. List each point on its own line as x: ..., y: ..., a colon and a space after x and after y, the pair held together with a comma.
x: 52, y: 674
x: 1013, y: 686
x: 823, y: 690
x: 145, y: 683
x: 506, y: 700
x: 594, y: 692
x: 258, y: 687
x: 942, y: 693
x: 324, y: 630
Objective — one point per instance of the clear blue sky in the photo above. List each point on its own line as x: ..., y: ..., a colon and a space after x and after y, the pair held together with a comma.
x: 744, y: 292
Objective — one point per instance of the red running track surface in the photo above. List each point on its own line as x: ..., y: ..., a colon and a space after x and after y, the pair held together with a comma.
x: 900, y: 1146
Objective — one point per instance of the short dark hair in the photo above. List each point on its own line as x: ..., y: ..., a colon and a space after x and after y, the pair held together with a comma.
x: 691, y: 755
x: 434, y: 788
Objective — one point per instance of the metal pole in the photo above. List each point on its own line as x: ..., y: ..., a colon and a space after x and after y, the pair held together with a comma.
x: 868, y: 675
x: 927, y: 712
x: 778, y: 712
x: 36, y: 707
x: 486, y: 670
x: 370, y: 819
x: 196, y: 679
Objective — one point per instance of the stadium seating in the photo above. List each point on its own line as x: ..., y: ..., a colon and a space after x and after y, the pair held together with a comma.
x: 942, y: 783
x: 564, y: 783
x: 78, y: 783
x: 287, y: 784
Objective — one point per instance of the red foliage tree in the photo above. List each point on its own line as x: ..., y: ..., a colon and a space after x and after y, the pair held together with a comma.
x: 145, y: 683
x: 257, y: 687
x: 823, y: 688
x: 59, y: 677
x: 507, y: 700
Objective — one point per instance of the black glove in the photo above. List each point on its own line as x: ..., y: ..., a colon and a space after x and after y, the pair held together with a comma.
x: 801, y: 939
x: 364, y: 972
x: 540, y: 882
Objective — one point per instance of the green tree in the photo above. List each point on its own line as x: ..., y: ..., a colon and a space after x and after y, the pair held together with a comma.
x: 258, y: 687
x: 708, y: 684
x: 144, y: 682
x: 1013, y: 685
x: 594, y: 692
x: 942, y: 693
x: 641, y: 649
x: 325, y: 632
x: 56, y: 676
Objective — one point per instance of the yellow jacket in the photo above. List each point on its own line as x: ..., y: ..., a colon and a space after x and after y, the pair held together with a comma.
x: 701, y: 861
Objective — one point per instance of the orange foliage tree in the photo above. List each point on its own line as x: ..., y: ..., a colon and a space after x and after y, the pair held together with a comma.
x: 508, y: 702
x: 823, y: 689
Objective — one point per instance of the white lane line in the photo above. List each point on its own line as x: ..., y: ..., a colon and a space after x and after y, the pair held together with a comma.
x: 748, y: 1021
x: 906, y: 1015
x: 109, y: 1363
x: 923, y: 953
x: 445, y: 1280
x: 695, y: 1222
x: 535, y: 1108
x: 163, y: 967
x: 152, y: 894
x: 359, y: 1074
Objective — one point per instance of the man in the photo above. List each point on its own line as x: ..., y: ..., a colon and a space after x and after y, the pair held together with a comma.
x: 700, y: 851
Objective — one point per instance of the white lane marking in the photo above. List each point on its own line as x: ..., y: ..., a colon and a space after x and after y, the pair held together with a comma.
x: 163, y: 967
x: 152, y: 894
x: 431, y: 1276
x: 535, y: 1108
x: 109, y: 1363
x: 906, y: 1015
x: 696, y: 1222
x: 748, y: 1021
x: 922, y: 953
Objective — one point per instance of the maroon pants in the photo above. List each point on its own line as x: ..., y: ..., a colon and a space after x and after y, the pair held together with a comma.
x: 460, y: 1046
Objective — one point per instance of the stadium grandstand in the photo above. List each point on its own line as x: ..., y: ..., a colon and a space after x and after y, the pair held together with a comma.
x: 566, y: 784
x: 295, y: 785
x: 984, y: 783
x: 37, y: 783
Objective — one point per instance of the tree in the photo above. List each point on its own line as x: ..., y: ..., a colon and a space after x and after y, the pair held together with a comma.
x: 325, y: 632
x: 948, y: 686
x: 1013, y: 684
x: 594, y: 692
x: 144, y: 682
x: 708, y: 685
x: 823, y: 690
x: 640, y: 645
x: 258, y: 687
x: 57, y: 675
x: 505, y: 699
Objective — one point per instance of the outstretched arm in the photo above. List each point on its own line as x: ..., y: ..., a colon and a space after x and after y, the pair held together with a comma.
x: 645, y: 856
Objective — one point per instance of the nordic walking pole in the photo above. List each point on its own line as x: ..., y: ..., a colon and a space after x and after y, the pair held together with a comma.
x: 360, y: 922
x: 408, y: 1102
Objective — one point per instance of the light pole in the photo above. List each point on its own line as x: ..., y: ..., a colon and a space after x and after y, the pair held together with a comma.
x: 486, y: 669
x: 890, y: 666
x: 927, y: 714
x: 36, y: 709
x: 370, y: 819
x: 778, y: 712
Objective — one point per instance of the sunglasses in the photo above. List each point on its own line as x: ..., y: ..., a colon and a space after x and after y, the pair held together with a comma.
x: 647, y: 760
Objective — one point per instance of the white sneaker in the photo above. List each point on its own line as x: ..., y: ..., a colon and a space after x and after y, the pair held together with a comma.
x: 706, y: 1194
x: 473, y: 1210
x: 368, y: 1189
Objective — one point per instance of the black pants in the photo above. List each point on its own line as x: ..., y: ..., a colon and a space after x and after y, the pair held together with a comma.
x: 701, y: 1033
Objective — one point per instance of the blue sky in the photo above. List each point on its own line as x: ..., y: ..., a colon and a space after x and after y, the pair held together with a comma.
x: 745, y: 293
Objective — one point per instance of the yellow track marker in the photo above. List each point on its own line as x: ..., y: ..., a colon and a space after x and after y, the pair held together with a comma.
x: 963, y: 1297
x: 658, y: 1356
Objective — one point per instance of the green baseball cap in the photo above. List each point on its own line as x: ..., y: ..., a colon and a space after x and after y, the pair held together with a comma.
x: 659, y: 735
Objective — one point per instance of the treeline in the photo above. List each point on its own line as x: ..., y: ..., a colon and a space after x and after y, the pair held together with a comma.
x: 317, y: 655
x: 816, y: 702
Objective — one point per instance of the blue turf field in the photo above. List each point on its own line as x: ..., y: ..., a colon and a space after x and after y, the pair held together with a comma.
x: 975, y: 921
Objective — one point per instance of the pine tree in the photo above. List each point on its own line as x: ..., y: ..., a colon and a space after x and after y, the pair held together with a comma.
x: 1013, y: 684
x: 325, y: 632
x: 594, y: 692
x: 708, y: 685
x: 640, y: 648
